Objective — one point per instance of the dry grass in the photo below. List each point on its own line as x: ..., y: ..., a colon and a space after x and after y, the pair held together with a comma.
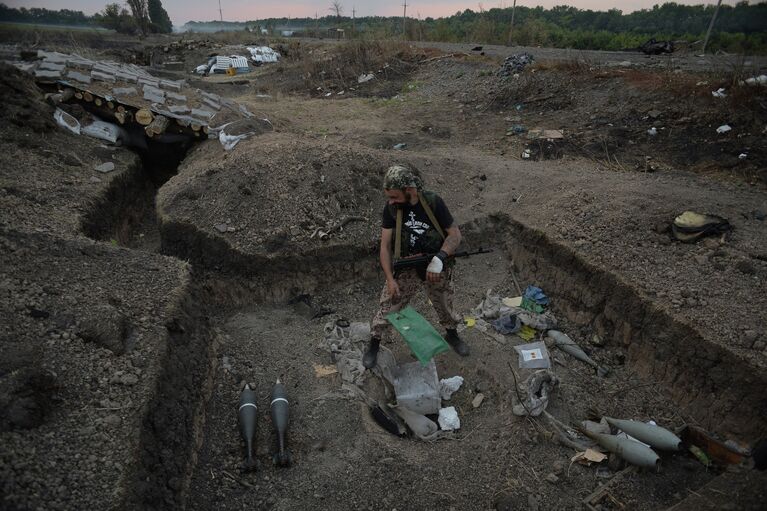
x: 339, y: 65
x: 575, y: 65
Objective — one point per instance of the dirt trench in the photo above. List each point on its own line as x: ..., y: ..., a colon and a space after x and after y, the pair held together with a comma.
x: 236, y: 324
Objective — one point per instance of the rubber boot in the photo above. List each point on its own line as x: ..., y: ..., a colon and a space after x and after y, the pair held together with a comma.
x: 370, y: 357
x: 455, y: 342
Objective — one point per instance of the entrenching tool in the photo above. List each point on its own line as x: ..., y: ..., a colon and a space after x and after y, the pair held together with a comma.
x: 654, y: 436
x: 247, y: 415
x: 280, y: 416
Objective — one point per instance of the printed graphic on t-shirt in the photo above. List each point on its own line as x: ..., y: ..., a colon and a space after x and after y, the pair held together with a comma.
x: 416, y: 227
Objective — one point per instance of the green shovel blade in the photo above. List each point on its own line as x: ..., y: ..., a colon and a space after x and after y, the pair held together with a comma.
x: 423, y: 339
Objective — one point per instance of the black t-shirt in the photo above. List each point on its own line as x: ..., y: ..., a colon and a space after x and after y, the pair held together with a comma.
x: 418, y: 225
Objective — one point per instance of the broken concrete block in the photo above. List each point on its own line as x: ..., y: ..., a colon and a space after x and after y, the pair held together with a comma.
x: 212, y: 104
x: 170, y: 85
x: 178, y: 109
x: 80, y: 63
x: 126, y: 77
x: 154, y: 94
x: 151, y: 82
x: 78, y: 77
x: 101, y: 76
x: 48, y: 74
x: 202, y: 114
x: 52, y: 66
x: 180, y: 98
x: 105, y: 68
x: 52, y: 56
x: 124, y: 91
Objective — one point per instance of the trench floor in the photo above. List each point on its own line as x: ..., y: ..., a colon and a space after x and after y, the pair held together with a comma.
x: 343, y: 460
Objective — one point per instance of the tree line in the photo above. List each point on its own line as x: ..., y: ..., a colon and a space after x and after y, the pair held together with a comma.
x: 134, y: 17
x: 741, y: 28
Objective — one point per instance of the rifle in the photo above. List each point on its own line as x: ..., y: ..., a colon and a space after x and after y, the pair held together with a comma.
x: 424, y: 260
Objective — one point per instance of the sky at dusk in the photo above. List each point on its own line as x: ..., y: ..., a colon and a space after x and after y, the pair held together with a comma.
x: 181, y: 11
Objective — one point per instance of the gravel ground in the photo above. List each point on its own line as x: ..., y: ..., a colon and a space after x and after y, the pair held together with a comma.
x: 90, y: 320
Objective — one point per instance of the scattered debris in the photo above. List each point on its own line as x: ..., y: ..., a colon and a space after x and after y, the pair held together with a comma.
x: 724, y: 128
x: 595, y: 500
x: 507, y: 324
x: 538, y: 133
x: 652, y: 131
x: 388, y: 421
x: 756, y: 80
x: 263, y: 55
x: 691, y: 226
x: 533, y: 356
x: 417, y: 387
x: 515, y: 63
x: 364, y: 78
x: 540, y: 385
x: 711, y: 448
x: 588, y: 457
x: 320, y: 371
x: 421, y: 426
x: 448, y: 419
x: 477, y: 400
x: 65, y: 120
x: 400, y: 146
x: 742, y: 156
x: 104, y: 131
x: 448, y: 386
x: 719, y: 93
x: 516, y: 129
x: 105, y: 167
x: 653, y: 47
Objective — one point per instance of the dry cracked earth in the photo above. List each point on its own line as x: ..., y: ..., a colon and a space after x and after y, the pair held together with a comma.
x: 136, y: 303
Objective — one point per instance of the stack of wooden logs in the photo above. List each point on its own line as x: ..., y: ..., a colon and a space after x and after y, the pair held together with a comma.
x: 130, y: 95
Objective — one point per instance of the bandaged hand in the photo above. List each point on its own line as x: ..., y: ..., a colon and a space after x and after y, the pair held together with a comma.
x: 435, y: 266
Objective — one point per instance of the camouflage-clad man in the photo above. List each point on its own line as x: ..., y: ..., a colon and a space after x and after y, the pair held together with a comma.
x: 418, y: 222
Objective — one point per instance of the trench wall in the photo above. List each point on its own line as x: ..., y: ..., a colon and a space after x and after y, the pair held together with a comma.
x: 172, y: 426
x: 713, y: 384
x: 111, y: 215
x: 259, y: 278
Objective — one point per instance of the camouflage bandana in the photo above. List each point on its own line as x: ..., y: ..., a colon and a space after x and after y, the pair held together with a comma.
x: 399, y: 177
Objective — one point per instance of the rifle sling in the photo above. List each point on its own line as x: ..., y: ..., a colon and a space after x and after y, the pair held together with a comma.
x: 398, y: 236
x: 431, y: 216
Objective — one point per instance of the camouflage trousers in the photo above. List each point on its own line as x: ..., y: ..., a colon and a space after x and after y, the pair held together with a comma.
x: 440, y: 294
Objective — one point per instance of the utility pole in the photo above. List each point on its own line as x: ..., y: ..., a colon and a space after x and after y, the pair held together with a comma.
x: 404, y: 17
x: 710, y: 26
x: 316, y: 25
x: 511, y: 28
x: 353, y: 13
x: 220, y: 12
